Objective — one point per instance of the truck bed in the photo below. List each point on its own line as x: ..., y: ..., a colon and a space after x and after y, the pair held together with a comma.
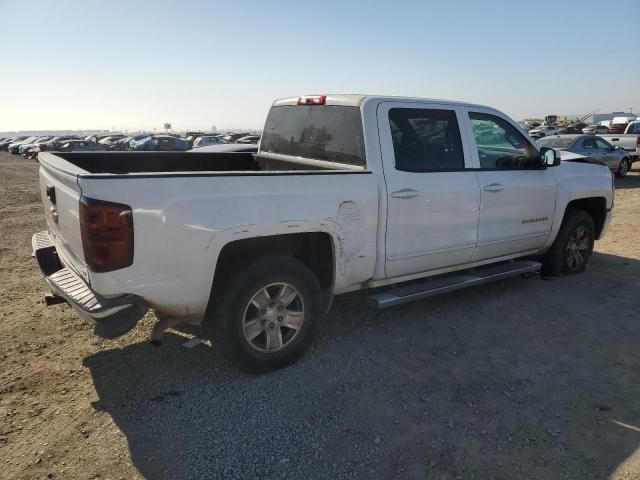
x: 171, y: 162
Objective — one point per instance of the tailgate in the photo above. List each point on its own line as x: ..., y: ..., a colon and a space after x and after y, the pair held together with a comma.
x: 61, y: 200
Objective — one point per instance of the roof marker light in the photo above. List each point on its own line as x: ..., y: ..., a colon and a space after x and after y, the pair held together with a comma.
x: 312, y: 100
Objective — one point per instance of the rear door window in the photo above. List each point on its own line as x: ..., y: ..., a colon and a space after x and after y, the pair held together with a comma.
x: 426, y: 140
x: 332, y: 133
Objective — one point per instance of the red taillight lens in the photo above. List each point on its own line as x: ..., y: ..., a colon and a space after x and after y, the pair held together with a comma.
x: 107, y: 234
x: 312, y: 100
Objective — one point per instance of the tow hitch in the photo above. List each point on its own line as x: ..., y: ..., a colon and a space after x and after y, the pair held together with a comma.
x: 52, y: 299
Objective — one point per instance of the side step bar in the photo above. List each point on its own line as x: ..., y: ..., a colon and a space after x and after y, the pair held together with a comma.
x: 451, y: 283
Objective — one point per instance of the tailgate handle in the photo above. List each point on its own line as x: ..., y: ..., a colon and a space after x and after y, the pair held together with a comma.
x: 51, y: 194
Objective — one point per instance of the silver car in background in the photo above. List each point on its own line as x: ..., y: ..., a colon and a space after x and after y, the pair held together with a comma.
x: 595, y: 129
x: 593, y: 147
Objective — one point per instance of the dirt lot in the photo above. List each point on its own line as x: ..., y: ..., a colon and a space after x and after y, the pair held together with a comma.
x: 528, y: 378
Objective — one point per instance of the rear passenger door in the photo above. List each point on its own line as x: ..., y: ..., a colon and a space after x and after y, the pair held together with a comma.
x: 518, y: 194
x: 433, y: 198
x: 588, y: 147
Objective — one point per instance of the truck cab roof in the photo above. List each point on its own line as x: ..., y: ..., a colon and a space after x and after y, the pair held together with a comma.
x: 356, y: 100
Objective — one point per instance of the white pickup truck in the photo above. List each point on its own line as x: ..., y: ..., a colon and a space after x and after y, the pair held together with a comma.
x: 407, y: 197
x: 629, y: 140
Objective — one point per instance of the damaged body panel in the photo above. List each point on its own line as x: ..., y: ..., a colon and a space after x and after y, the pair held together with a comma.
x: 346, y: 192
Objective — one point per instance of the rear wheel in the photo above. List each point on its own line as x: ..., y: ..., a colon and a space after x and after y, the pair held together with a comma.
x: 623, y: 168
x: 267, y: 314
x: 572, y: 248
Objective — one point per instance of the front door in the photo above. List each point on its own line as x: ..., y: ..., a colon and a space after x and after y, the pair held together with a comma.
x: 608, y: 155
x: 517, y: 193
x: 432, y: 196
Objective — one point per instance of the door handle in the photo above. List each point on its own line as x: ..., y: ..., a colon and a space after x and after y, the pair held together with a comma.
x: 405, y: 193
x: 494, y: 187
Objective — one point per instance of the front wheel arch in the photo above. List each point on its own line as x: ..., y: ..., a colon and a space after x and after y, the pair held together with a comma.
x: 572, y: 248
x: 623, y: 167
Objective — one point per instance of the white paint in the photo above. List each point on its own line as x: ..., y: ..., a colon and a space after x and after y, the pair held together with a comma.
x: 182, y: 223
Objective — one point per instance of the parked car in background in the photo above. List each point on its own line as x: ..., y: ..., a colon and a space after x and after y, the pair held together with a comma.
x: 228, y: 148
x: 51, y: 144
x: 134, y: 144
x: 14, y: 148
x: 543, y: 131
x: 633, y: 127
x: 629, y: 140
x: 22, y: 149
x: 55, y: 142
x: 592, y: 147
x: 619, y: 124
x: 249, y: 139
x: 192, y: 136
x: 32, y: 150
x: 111, y: 139
x: 120, y: 144
x: 164, y: 143
x: 125, y: 143
x: 4, y: 145
x: 96, y: 138
x: 232, y: 137
x: 574, y: 128
x: 206, y: 140
x: 595, y: 129
x: 81, y: 146
x: 346, y: 193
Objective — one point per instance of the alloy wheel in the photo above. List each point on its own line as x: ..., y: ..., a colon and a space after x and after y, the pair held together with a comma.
x: 273, y: 317
x: 578, y: 248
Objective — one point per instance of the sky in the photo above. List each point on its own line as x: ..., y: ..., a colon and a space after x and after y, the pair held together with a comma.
x: 125, y: 65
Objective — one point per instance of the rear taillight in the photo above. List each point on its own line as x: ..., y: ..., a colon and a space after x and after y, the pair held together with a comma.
x: 107, y: 234
x: 312, y: 100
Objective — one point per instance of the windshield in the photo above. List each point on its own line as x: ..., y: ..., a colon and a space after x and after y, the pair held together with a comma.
x: 332, y: 133
x: 561, y: 142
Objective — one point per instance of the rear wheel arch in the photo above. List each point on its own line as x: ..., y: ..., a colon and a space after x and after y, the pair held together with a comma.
x: 316, y: 250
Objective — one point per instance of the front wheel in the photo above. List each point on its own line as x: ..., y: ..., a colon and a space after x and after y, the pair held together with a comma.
x: 266, y: 315
x: 572, y: 248
x: 623, y: 168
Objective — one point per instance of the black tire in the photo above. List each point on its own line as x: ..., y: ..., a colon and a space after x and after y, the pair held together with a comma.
x: 561, y: 258
x: 233, y: 301
x: 623, y: 168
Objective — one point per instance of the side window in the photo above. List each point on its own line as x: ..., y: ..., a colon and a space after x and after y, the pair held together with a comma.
x: 589, y: 144
x: 602, y: 145
x: 425, y: 140
x: 500, y: 145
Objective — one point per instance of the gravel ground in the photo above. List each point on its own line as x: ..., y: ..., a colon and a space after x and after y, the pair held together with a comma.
x: 526, y: 378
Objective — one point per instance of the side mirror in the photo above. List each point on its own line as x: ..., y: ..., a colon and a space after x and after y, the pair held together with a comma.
x: 550, y: 158
x: 616, y: 147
